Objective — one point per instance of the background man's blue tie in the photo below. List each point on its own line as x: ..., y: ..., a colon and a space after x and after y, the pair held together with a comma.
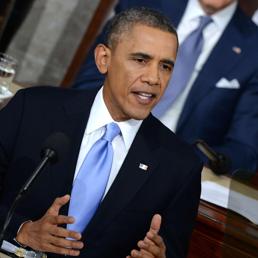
x: 90, y: 183
x: 187, y: 56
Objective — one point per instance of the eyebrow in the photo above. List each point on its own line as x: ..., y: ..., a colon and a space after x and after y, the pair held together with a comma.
x: 169, y: 62
x: 149, y: 57
x: 140, y: 54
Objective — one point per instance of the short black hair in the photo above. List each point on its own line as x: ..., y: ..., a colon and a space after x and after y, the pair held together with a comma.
x: 124, y: 22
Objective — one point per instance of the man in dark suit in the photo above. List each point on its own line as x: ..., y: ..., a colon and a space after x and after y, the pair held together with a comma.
x: 219, y: 102
x: 153, y: 176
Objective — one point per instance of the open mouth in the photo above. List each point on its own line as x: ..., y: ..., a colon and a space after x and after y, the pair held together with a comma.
x: 144, y: 97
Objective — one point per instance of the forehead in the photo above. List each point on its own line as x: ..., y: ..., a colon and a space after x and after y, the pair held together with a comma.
x: 142, y: 38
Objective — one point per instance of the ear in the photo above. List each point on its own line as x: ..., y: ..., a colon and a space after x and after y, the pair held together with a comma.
x: 102, y: 56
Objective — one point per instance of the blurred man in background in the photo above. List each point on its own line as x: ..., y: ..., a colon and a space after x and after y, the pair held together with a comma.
x: 217, y: 101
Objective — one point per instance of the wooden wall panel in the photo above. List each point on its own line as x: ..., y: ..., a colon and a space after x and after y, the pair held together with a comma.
x: 99, y: 18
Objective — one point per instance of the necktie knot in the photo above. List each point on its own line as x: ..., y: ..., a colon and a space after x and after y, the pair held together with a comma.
x: 204, y: 21
x: 112, y: 130
x: 188, y: 54
x: 196, y: 37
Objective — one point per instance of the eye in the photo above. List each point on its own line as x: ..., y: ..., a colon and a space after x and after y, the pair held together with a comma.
x: 140, y: 60
x: 166, y: 67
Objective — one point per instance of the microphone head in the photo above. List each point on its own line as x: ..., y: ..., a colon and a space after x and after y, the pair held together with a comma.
x: 222, y: 166
x: 56, y: 147
x: 219, y: 163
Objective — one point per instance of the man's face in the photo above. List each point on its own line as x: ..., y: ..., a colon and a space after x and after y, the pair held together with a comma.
x: 213, y: 6
x: 137, y: 71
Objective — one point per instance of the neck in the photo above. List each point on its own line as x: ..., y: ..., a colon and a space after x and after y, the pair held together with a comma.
x: 211, y: 9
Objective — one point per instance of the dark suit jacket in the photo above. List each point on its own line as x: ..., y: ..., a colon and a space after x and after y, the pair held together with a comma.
x: 170, y: 186
x: 226, y: 118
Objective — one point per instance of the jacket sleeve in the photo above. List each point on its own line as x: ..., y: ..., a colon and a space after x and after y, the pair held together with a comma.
x: 10, y: 119
x: 179, y: 218
x: 240, y: 143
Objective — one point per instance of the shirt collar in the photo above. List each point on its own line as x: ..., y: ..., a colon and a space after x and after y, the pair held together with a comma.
x: 193, y: 11
x: 220, y: 18
x: 100, y: 116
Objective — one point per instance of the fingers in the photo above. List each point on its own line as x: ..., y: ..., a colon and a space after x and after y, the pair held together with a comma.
x: 59, y: 219
x: 64, y: 233
x: 152, y: 246
x: 57, y: 204
x: 155, y: 223
x: 46, y: 235
x: 70, y: 251
x: 141, y: 254
x: 154, y: 239
x: 58, y: 245
x: 152, y: 236
x: 65, y: 243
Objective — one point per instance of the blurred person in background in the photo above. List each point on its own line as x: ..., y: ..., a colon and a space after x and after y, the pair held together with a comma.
x: 218, y: 102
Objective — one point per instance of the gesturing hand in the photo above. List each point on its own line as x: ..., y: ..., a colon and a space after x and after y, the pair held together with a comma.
x: 46, y: 235
x: 152, y: 246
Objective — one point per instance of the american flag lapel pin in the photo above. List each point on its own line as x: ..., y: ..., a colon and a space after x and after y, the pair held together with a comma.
x: 143, y: 166
x: 237, y: 50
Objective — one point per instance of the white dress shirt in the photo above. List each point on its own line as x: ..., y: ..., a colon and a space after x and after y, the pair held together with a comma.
x: 255, y: 17
x: 98, y: 119
x: 211, y: 34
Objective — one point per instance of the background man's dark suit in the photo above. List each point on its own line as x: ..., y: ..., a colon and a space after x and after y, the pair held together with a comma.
x: 226, y: 118
x: 170, y: 184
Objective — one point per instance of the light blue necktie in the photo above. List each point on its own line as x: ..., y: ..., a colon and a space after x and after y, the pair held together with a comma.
x: 187, y: 56
x: 90, y: 183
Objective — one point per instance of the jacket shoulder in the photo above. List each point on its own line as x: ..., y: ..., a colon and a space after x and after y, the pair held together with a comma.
x: 172, y: 144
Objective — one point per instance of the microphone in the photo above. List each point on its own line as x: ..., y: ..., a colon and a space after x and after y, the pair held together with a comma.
x: 217, y: 162
x: 54, y: 149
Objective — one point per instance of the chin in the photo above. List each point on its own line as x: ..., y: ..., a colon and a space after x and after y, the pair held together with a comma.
x: 140, y: 116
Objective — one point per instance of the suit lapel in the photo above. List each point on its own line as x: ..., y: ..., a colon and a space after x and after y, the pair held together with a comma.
x: 129, y: 180
x: 72, y: 121
x: 220, y: 63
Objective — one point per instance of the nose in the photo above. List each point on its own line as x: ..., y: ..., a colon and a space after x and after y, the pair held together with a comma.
x: 151, y: 75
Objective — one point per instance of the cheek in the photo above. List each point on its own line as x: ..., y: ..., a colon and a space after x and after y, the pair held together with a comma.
x: 163, y: 88
x: 165, y: 80
x: 133, y: 77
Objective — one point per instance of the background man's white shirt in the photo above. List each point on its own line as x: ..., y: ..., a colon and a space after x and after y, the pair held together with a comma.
x: 212, y: 32
x: 255, y: 17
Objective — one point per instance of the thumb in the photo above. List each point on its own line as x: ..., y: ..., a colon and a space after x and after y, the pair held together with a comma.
x: 155, y: 223
x: 57, y: 204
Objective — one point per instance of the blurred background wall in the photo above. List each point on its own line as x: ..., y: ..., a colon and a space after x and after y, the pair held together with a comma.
x: 48, y: 38
x: 50, y: 32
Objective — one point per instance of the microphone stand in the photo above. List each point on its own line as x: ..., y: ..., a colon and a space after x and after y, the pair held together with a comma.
x: 48, y: 155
